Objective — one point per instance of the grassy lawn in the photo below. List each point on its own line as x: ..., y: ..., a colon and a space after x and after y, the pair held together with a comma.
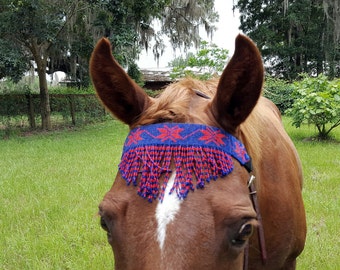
x: 50, y: 187
x: 321, y: 165
x: 51, y: 184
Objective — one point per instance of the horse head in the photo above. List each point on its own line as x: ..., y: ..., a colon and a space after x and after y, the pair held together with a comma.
x: 180, y: 199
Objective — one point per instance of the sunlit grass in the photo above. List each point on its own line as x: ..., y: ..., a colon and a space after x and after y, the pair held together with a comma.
x: 321, y: 166
x: 51, y: 184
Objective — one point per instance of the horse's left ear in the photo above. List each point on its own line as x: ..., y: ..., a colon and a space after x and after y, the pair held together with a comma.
x: 240, y: 85
x: 118, y: 92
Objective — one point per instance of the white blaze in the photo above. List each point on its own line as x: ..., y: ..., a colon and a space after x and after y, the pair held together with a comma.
x: 167, y: 210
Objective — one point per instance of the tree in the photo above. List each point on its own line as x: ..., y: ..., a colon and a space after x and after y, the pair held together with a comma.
x: 60, y: 34
x: 129, y: 25
x: 182, y: 19
x: 42, y: 25
x: 13, y: 61
x: 317, y: 102
x: 209, y: 61
x: 294, y: 36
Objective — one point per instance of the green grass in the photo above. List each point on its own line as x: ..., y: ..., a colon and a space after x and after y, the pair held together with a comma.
x: 50, y: 187
x: 51, y: 184
x: 321, y: 166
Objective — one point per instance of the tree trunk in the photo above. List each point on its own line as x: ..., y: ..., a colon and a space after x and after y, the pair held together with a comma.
x: 40, y: 57
x: 30, y: 108
x: 45, y: 108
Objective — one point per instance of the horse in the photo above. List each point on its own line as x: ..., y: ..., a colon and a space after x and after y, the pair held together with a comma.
x: 208, y: 177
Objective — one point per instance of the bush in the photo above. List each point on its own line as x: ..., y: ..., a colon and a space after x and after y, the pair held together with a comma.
x: 23, y: 110
x: 71, y: 90
x: 153, y: 93
x: 317, y: 102
x: 280, y: 92
x: 209, y: 61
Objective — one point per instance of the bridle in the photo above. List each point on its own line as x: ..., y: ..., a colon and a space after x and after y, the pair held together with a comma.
x: 204, y: 151
x: 253, y: 196
x: 260, y: 232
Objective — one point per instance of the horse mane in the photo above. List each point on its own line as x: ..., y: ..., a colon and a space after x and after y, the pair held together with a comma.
x: 264, y: 118
x: 252, y: 136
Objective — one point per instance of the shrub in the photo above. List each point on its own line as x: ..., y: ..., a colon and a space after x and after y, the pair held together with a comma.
x: 135, y: 73
x: 59, y: 89
x: 153, y: 93
x: 208, y: 62
x: 280, y: 92
x: 317, y: 102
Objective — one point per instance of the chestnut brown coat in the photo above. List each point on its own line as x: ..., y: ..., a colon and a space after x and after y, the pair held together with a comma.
x: 208, y: 229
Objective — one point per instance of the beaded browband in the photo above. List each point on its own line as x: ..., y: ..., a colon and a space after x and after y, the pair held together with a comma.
x: 196, y: 153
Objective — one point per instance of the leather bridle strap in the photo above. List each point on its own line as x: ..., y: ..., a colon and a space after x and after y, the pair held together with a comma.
x: 260, y: 232
x: 253, y: 196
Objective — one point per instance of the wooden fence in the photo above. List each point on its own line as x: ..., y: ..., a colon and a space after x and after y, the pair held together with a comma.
x: 68, y: 108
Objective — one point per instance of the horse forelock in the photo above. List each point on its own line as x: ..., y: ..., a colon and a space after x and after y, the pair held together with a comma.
x: 173, y: 104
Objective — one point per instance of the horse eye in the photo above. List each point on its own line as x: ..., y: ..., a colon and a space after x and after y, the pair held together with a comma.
x: 243, y: 234
x: 103, y: 224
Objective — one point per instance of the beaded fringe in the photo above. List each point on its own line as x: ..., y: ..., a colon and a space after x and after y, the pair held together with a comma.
x: 194, y: 167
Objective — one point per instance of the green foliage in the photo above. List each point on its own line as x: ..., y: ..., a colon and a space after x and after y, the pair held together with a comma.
x: 25, y: 85
x: 21, y: 87
x: 135, y: 73
x: 294, y: 36
x: 65, y: 31
x: 317, y: 102
x: 44, y: 31
x: 280, y: 92
x: 59, y: 35
x: 13, y: 62
x: 153, y: 93
x: 71, y: 90
x: 68, y: 108
x: 175, y: 21
x: 209, y: 61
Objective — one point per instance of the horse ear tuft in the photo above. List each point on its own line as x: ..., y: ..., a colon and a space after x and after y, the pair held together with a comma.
x: 118, y: 92
x: 240, y: 85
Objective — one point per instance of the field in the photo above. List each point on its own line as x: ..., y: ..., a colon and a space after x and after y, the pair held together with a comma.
x: 321, y: 166
x: 51, y: 184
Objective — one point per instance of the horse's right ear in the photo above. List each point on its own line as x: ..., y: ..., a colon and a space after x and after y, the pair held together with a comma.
x: 118, y: 92
x: 240, y: 85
